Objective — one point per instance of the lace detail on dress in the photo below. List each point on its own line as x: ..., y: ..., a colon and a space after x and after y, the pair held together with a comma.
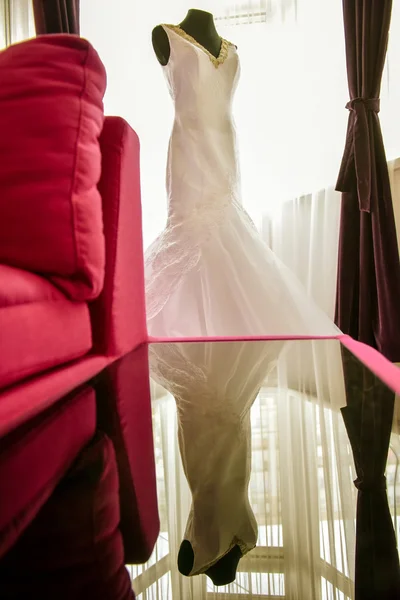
x: 177, y: 250
x: 166, y: 263
x: 216, y: 61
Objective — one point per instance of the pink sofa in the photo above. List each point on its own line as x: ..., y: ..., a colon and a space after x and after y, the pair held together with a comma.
x: 73, y: 548
x: 71, y: 286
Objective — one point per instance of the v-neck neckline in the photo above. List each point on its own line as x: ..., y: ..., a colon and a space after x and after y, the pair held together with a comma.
x: 216, y: 60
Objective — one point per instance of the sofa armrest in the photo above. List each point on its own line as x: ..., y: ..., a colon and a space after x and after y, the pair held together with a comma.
x: 118, y: 315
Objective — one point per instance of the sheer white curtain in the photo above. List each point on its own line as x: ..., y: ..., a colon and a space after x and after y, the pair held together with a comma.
x: 394, y: 174
x: 305, y: 234
x: 16, y: 21
x: 392, y: 472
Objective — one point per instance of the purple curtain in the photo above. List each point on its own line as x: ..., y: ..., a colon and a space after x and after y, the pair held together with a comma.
x: 56, y: 16
x: 368, y: 418
x: 368, y: 286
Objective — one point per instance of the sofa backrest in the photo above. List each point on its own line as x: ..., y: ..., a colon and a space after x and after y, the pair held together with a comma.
x: 51, y: 117
x: 118, y: 315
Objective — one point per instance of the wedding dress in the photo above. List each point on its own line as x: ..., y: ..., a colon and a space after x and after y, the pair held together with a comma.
x: 209, y: 273
x: 214, y: 386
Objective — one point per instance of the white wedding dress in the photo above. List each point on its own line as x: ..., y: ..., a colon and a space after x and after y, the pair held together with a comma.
x: 209, y: 273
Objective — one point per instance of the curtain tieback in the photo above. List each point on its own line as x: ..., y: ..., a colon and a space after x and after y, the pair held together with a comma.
x: 360, y: 104
x: 358, y: 148
x: 374, y: 485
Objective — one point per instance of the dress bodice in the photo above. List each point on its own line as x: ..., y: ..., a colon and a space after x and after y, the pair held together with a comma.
x: 201, y: 85
x: 202, y: 168
x: 209, y: 273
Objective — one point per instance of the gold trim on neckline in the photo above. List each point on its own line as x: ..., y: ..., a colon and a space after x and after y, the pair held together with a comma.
x: 216, y: 60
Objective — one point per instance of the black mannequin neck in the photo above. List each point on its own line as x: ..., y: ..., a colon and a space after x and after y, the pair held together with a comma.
x: 200, y: 25
x: 199, y: 18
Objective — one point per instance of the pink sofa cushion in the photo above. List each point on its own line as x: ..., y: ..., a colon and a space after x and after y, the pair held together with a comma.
x: 118, y: 315
x: 51, y: 116
x: 40, y: 328
x: 73, y: 549
x: 40, y: 452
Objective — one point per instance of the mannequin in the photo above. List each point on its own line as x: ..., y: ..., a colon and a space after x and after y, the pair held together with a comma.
x: 199, y: 24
